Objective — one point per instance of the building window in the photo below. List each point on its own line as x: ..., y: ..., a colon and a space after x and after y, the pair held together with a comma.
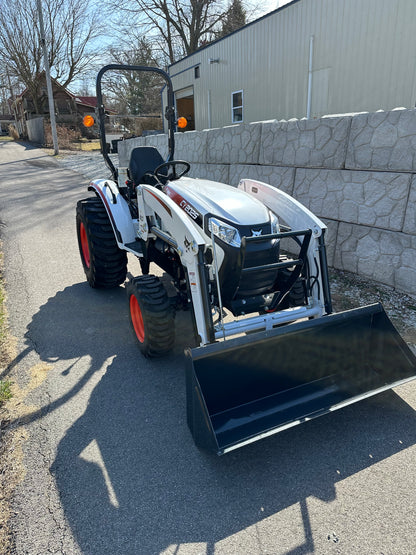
x: 196, y: 72
x: 237, y: 106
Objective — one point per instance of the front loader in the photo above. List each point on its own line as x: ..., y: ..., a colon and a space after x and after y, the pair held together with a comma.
x: 250, y: 264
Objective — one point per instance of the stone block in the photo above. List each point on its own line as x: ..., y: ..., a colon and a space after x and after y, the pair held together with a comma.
x: 383, y: 256
x: 236, y: 144
x: 383, y: 141
x: 214, y: 172
x: 368, y: 198
x: 160, y: 142
x: 306, y: 143
x: 191, y: 146
x: 125, y: 147
x: 410, y: 216
x: 279, y: 177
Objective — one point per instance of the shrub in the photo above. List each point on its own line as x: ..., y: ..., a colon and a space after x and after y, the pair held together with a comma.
x: 68, y: 138
x: 14, y: 134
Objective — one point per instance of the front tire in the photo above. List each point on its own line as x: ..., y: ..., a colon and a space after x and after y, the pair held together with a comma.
x: 296, y: 296
x: 152, y: 315
x: 104, y: 263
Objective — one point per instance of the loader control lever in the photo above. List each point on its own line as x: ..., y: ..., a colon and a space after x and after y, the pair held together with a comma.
x: 173, y: 175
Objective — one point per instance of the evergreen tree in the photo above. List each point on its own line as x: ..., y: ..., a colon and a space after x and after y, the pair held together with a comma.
x: 234, y: 19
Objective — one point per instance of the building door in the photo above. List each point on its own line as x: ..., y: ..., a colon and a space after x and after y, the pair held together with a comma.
x: 185, y: 107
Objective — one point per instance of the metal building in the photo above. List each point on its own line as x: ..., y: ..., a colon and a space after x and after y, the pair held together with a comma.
x: 307, y: 59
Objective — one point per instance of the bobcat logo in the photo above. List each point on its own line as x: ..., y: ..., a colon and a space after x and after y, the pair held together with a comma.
x: 256, y: 233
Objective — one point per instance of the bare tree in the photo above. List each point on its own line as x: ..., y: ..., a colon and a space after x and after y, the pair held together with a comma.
x: 70, y: 26
x: 180, y: 27
x: 135, y: 93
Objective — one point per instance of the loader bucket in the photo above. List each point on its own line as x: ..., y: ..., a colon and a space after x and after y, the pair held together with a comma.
x: 244, y: 389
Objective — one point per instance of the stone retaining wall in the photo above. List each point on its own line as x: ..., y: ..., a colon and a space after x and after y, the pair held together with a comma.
x: 356, y: 172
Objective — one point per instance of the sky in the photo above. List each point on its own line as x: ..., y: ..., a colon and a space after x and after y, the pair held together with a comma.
x: 270, y: 5
x: 264, y: 7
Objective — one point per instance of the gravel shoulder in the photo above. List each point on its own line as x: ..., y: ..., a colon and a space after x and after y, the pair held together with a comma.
x: 350, y: 291
x: 90, y: 164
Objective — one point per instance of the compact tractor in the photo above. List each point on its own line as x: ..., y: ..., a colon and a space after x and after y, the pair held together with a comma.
x: 250, y: 264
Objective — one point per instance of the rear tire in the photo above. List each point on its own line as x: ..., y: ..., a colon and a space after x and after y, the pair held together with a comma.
x: 104, y: 263
x: 152, y: 315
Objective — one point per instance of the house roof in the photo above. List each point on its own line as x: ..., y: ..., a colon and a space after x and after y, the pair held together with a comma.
x: 86, y: 100
x: 91, y: 102
x: 54, y: 81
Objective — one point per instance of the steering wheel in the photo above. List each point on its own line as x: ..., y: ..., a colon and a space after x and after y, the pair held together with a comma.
x: 172, y: 164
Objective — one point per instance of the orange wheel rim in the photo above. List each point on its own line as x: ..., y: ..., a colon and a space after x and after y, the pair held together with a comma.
x: 137, y: 318
x: 84, y: 245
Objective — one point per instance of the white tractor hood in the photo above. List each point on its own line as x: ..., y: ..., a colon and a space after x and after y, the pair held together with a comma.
x: 224, y: 201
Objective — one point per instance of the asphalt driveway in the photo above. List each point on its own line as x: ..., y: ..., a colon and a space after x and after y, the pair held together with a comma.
x: 110, y: 467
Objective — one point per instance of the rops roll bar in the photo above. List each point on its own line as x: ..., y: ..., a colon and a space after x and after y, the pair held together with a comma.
x: 169, y: 112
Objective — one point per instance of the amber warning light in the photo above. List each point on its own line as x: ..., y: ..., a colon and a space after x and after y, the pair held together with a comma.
x: 88, y: 121
x: 182, y: 122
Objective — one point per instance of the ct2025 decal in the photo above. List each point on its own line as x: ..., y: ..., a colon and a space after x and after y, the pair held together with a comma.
x: 185, y: 205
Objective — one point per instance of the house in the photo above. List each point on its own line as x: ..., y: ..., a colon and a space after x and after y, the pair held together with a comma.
x: 308, y: 58
x: 69, y: 108
x: 66, y: 103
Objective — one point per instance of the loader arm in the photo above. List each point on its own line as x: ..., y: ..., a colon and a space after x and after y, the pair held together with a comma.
x: 183, y: 235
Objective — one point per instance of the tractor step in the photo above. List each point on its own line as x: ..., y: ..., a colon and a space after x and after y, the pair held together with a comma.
x: 135, y: 247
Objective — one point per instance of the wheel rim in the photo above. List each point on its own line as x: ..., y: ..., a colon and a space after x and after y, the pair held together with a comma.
x: 84, y: 245
x: 137, y: 318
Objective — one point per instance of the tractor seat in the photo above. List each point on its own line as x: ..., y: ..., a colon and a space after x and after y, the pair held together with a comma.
x: 144, y: 159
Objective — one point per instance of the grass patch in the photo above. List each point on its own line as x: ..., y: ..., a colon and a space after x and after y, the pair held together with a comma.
x: 3, y: 319
x: 8, y: 476
x: 5, y: 391
x: 5, y: 385
x: 92, y: 145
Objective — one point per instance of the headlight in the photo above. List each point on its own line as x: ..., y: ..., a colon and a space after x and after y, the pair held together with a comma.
x: 274, y: 223
x: 225, y: 232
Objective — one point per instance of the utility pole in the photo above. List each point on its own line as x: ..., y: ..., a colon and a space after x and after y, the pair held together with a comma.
x: 48, y: 80
x: 12, y: 108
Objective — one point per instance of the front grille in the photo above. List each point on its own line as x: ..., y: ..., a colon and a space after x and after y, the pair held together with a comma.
x: 258, y: 283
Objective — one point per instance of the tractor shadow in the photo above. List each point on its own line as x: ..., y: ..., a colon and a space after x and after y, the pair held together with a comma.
x: 130, y: 478
x: 132, y: 481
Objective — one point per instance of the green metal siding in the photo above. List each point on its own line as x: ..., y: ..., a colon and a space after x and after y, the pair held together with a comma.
x: 363, y: 60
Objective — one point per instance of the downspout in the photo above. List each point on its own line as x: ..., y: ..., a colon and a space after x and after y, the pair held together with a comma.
x: 209, y: 108
x: 308, y: 108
